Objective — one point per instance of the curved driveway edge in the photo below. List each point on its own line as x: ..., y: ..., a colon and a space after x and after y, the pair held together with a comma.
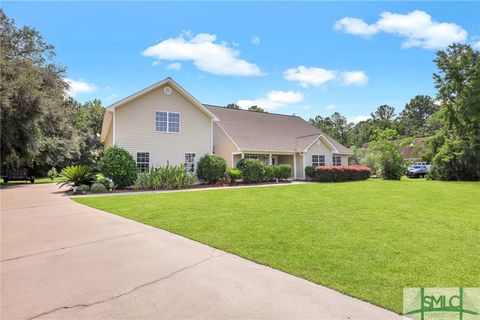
x: 63, y: 260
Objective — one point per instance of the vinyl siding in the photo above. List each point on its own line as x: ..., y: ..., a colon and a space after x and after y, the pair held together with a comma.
x: 135, y: 128
x: 321, y: 149
x: 223, y: 146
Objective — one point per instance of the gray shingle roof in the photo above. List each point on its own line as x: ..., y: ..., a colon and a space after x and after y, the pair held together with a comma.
x: 269, y: 131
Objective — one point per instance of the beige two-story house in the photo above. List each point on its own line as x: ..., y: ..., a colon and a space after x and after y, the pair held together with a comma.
x: 164, y: 123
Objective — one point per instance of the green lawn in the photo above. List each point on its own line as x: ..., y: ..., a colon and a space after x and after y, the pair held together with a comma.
x: 368, y: 239
x: 37, y: 181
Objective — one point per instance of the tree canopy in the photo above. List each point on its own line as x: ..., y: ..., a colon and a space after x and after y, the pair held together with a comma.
x: 41, y: 126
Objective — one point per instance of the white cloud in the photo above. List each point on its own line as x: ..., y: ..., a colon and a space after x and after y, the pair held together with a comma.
x: 79, y: 86
x: 356, y: 119
x: 476, y: 45
x: 274, y: 99
x: 309, y: 76
x: 417, y: 27
x: 315, y: 77
x: 355, y: 26
x: 285, y: 97
x: 206, y: 55
x: 353, y: 78
x: 331, y: 107
x: 256, y: 40
x: 156, y: 63
x: 174, y: 66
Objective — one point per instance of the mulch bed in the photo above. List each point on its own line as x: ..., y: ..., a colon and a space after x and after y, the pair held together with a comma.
x: 219, y: 184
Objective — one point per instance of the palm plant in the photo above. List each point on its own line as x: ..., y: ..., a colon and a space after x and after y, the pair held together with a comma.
x: 76, y: 175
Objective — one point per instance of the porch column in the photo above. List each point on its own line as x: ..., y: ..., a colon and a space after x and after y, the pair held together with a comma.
x: 294, y: 167
x: 243, y: 155
x: 270, y: 159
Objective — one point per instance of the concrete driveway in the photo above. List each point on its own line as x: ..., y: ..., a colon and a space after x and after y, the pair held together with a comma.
x: 62, y: 260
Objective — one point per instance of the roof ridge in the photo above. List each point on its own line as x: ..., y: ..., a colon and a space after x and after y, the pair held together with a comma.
x: 271, y: 113
x: 309, y: 135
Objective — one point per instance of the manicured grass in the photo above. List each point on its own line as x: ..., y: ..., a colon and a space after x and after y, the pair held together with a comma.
x: 37, y: 181
x: 368, y: 239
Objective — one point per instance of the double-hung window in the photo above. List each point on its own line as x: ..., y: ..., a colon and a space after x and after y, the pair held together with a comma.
x: 190, y: 162
x: 318, y: 160
x: 143, y: 161
x: 167, y: 121
x: 337, y: 160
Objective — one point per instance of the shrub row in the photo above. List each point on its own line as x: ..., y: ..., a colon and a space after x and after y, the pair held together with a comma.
x: 168, y: 177
x: 253, y: 170
x: 338, y: 173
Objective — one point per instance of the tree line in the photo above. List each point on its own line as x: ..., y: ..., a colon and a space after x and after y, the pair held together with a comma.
x: 41, y: 126
x: 416, y: 120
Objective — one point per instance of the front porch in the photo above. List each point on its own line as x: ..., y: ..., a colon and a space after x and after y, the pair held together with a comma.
x: 271, y: 158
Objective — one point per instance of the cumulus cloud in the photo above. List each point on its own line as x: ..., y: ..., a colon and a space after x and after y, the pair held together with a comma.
x: 417, y: 27
x: 358, y: 118
x: 174, y: 66
x: 206, y: 54
x: 256, y: 40
x: 355, y: 26
x: 315, y: 77
x: 274, y: 99
x: 309, y: 76
x: 353, y: 78
x: 79, y: 86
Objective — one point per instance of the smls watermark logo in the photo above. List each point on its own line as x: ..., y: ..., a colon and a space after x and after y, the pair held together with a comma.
x: 441, y: 303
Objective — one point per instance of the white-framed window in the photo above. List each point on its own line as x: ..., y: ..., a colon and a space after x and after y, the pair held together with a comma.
x: 190, y: 162
x: 251, y: 156
x: 143, y: 161
x: 167, y: 121
x: 318, y: 160
x: 337, y: 160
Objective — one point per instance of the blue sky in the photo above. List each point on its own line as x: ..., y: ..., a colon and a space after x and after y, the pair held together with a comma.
x: 306, y: 58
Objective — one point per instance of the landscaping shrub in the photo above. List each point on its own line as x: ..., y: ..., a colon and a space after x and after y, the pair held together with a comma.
x: 173, y: 177
x: 118, y: 165
x: 269, y: 173
x: 142, y: 182
x: 234, y: 174
x: 107, y: 182
x: 341, y: 173
x: 156, y: 175
x: 310, y: 172
x: 98, y: 188
x: 52, y: 173
x: 211, y: 168
x: 83, y: 188
x: 283, y: 171
x: 253, y: 170
x: 76, y: 175
x: 167, y: 177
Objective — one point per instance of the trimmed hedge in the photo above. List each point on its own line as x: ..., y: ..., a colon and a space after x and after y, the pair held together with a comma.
x: 211, y: 168
x: 253, y: 170
x: 340, y: 173
x: 118, y: 165
x: 283, y: 171
x: 98, y: 188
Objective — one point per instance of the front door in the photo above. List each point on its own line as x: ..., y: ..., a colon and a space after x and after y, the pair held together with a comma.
x: 274, y: 160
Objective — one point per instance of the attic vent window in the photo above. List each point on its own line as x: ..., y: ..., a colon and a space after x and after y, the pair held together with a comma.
x: 167, y: 90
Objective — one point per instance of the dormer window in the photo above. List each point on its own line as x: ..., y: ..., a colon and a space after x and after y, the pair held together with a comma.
x: 167, y: 121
